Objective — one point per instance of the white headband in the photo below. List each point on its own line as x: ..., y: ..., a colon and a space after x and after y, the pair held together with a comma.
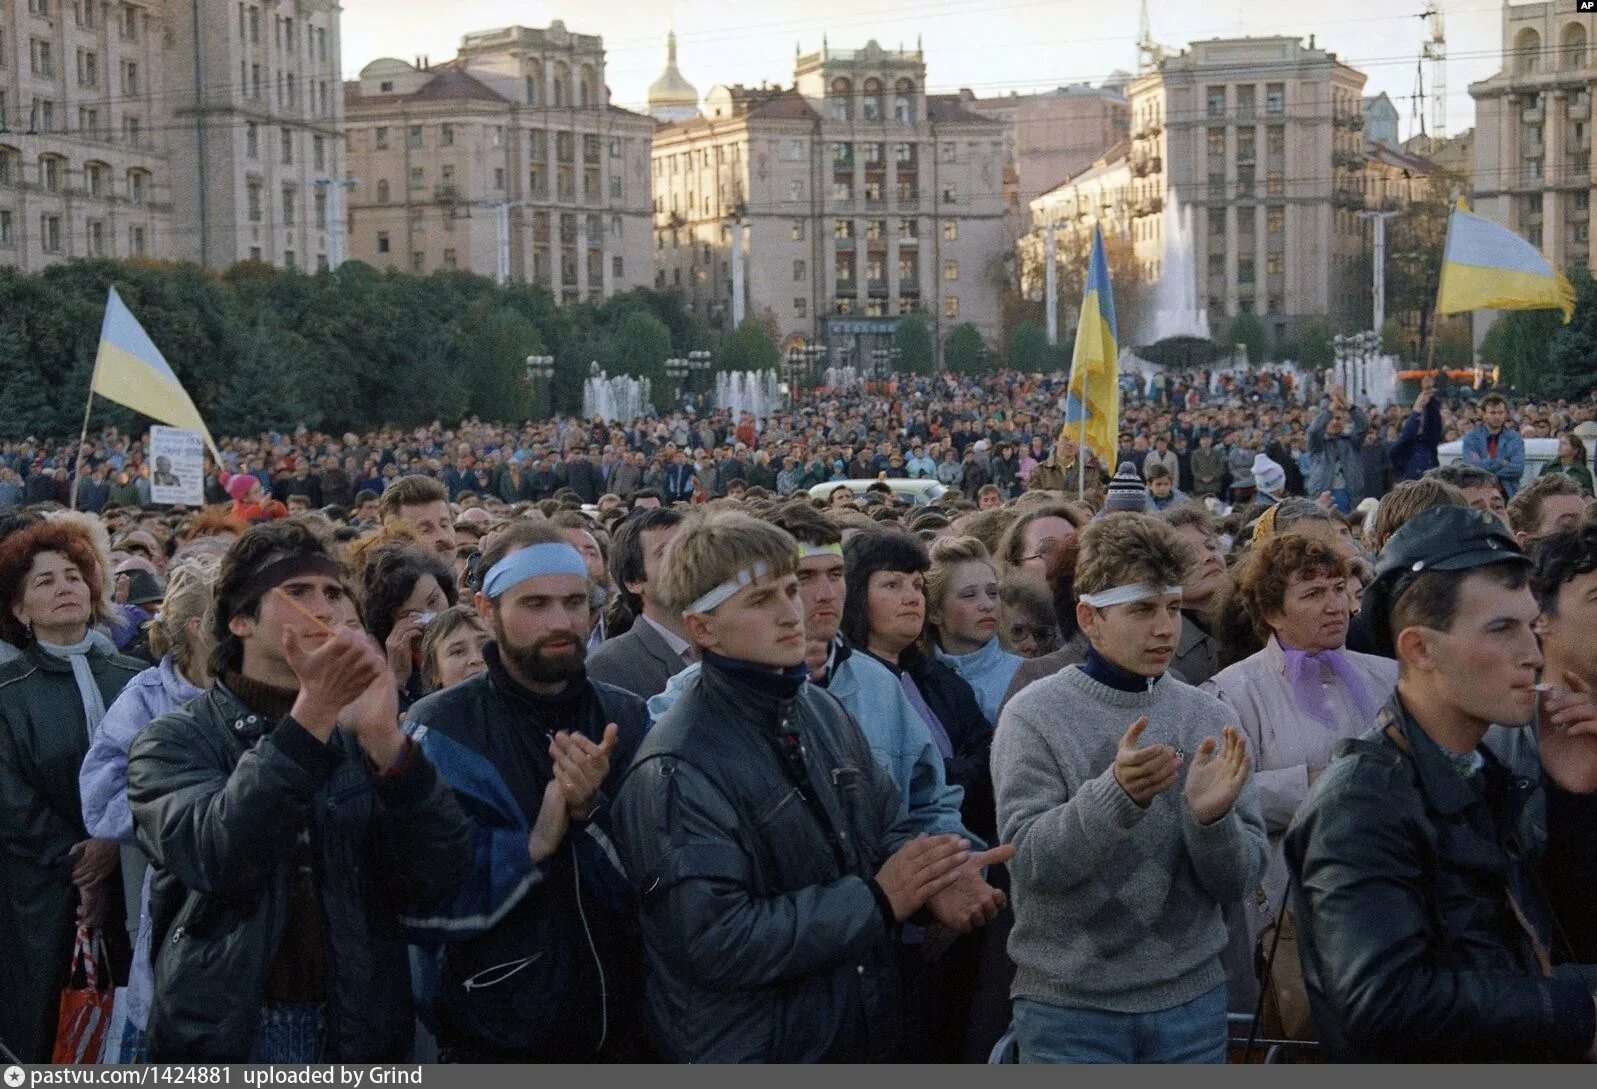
x: 718, y: 596
x: 1125, y: 595
x: 809, y: 551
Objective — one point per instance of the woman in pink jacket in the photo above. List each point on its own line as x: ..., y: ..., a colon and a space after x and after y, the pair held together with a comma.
x: 1296, y: 698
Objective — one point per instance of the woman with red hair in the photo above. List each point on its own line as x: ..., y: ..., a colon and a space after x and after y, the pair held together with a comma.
x: 52, y: 699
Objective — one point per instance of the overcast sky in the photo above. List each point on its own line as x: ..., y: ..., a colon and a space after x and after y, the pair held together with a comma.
x: 990, y: 46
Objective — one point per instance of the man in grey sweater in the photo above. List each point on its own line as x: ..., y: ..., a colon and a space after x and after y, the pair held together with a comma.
x: 1125, y: 793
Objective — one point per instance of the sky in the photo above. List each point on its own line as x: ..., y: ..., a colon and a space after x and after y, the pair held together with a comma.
x: 990, y: 46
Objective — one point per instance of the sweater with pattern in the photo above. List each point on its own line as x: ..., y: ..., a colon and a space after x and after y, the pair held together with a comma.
x: 1117, y: 907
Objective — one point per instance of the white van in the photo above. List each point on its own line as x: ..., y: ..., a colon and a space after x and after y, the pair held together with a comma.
x: 1538, y: 453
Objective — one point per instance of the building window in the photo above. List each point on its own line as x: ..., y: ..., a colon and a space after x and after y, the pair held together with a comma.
x: 446, y: 135
x: 255, y: 253
x: 801, y: 307
x: 798, y: 272
x: 499, y: 177
x: 50, y: 173
x: 1217, y: 143
x: 418, y: 178
x: 950, y: 270
x: 7, y: 237
x: 951, y: 306
x: 615, y: 147
x: 252, y: 201
x: 1275, y: 139
x: 413, y: 138
x: 418, y: 261
x: 797, y: 230
x: 795, y: 190
x: 1274, y: 263
x: 288, y: 206
x: 951, y: 231
x: 43, y: 59
x: 382, y: 241
x: 136, y: 241
x: 380, y: 135
x: 287, y: 141
x: 50, y: 233
x: 615, y: 186
x: 319, y: 152
x: 1275, y: 220
x: 252, y: 140
x: 1275, y: 98
x: 843, y: 228
x: 950, y: 193
x: 138, y: 184
x: 794, y: 151
x: 96, y: 238
x: 1216, y: 100
x: 616, y: 267
x: 130, y: 77
x: 1244, y: 270
x: 908, y: 228
x: 131, y: 131
x: 290, y: 260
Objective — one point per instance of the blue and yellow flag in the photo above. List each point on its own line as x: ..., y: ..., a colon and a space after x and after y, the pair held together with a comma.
x: 1486, y: 266
x: 130, y: 370
x: 1092, y: 406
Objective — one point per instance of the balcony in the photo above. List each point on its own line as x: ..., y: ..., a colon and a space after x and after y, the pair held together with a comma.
x: 1348, y: 199
x: 908, y: 285
x: 1349, y: 160
x: 1531, y: 149
x: 1578, y: 214
x: 844, y: 243
x: 846, y: 287
x: 876, y: 287
x: 1531, y: 115
x: 447, y: 194
x: 1579, y: 111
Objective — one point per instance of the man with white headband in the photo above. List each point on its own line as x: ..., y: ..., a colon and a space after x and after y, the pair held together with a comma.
x: 536, y: 959
x: 773, y: 854
x: 1125, y: 793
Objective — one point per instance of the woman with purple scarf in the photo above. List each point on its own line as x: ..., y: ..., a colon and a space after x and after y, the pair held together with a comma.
x: 1295, y: 699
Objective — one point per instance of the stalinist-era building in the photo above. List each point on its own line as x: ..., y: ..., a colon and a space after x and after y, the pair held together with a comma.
x: 854, y: 198
x: 1533, y: 129
x: 507, y: 161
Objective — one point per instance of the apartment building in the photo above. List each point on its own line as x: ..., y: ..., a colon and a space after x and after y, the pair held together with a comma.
x: 508, y: 161
x: 1054, y: 135
x: 852, y: 198
x: 84, y: 170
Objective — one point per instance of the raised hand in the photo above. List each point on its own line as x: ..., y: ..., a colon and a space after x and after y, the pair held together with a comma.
x: 580, y: 767
x: 332, y: 672
x: 1144, y: 773
x: 921, y: 869
x: 970, y: 901
x: 1568, y: 734
x: 403, y: 646
x: 1219, y: 769
x: 552, y: 824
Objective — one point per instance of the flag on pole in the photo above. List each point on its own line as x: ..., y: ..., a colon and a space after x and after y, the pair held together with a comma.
x: 1486, y: 266
x: 1092, y: 404
x: 130, y: 370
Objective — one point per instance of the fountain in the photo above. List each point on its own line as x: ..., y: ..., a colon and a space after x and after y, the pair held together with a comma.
x: 620, y: 398
x: 1176, y: 310
x: 841, y: 377
x: 756, y: 392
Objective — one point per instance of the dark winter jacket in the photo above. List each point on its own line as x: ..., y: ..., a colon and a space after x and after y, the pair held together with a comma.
x: 43, y: 740
x: 755, y: 859
x: 576, y: 999
x: 1414, y: 452
x: 218, y: 793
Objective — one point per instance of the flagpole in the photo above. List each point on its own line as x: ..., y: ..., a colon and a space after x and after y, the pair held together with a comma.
x: 83, y: 439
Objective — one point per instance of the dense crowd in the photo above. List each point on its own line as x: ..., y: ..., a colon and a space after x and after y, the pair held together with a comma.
x: 600, y: 741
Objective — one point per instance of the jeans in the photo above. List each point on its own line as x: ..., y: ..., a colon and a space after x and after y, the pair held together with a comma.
x: 1194, y: 1032
x: 1343, y: 501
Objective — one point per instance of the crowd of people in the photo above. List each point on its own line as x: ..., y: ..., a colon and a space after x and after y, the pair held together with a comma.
x: 608, y: 742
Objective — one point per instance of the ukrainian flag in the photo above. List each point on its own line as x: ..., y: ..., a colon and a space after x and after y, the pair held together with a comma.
x: 130, y: 370
x: 1486, y: 266
x: 1092, y: 404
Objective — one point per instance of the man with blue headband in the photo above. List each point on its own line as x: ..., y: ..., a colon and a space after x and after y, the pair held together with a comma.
x: 537, y: 959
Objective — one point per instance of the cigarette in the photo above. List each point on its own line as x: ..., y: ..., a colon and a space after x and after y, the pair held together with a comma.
x: 298, y: 608
x: 1543, y: 687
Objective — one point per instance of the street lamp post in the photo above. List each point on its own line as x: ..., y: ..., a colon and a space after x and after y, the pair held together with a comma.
x: 539, y: 366
x: 676, y: 369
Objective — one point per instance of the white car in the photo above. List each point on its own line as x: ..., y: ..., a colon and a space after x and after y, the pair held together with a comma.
x: 1538, y: 453
x: 918, y: 492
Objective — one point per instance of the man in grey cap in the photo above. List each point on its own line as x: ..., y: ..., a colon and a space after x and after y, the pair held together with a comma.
x: 1423, y: 931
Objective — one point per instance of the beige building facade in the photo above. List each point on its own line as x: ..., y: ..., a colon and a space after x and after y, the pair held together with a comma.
x: 84, y: 168
x: 1261, y: 139
x: 1055, y: 135
x: 254, y: 119
x: 507, y: 161
x: 1533, y: 126
x: 853, y: 198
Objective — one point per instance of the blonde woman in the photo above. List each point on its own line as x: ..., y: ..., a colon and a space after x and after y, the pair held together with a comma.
x: 962, y: 616
x: 179, y: 635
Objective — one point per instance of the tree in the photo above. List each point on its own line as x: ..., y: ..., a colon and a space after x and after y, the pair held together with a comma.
x: 1572, y: 357
x: 1248, y: 331
x: 913, y: 339
x: 496, y: 385
x: 1315, y: 345
x: 1519, y: 345
x: 1395, y: 340
x: 749, y: 348
x: 1454, y: 345
x: 1029, y: 350
x: 639, y: 346
x: 964, y: 352
x: 1414, y: 241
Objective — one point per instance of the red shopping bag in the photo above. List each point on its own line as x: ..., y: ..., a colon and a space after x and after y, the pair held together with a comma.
x: 86, y: 1003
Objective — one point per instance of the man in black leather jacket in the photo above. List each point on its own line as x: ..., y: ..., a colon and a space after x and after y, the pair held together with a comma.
x: 288, y: 820
x: 773, y: 854
x: 1424, y: 932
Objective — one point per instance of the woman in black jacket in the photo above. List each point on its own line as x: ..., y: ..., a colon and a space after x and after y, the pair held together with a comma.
x: 884, y: 614
x: 52, y: 699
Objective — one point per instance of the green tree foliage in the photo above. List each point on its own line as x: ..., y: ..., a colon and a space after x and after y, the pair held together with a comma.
x: 964, y: 352
x: 1315, y: 345
x: 1572, y: 356
x: 1248, y: 331
x: 913, y: 339
x: 257, y: 347
x: 1029, y: 351
x: 749, y: 347
x: 1455, y: 347
x: 1519, y: 343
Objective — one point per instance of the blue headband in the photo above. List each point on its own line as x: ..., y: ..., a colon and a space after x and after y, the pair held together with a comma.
x: 530, y: 562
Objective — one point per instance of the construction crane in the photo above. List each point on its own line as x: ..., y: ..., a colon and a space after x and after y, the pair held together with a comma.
x: 1435, y: 51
